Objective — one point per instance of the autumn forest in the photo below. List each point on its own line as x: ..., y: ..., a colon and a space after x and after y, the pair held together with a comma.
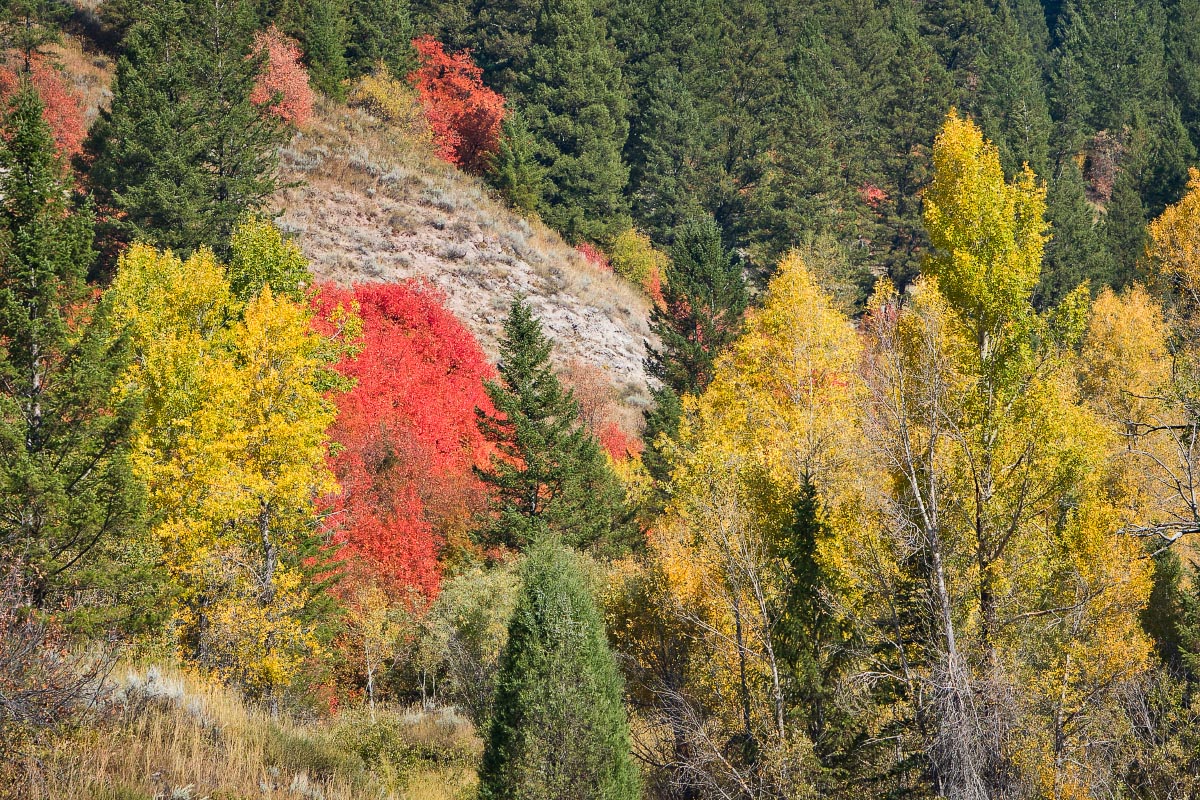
x: 573, y: 400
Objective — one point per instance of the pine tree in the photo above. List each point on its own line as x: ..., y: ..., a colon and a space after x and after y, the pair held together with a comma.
x: 325, y: 35
x: 1013, y: 109
x: 705, y: 297
x: 380, y: 30
x: 574, y: 100
x: 1076, y: 251
x: 550, y: 473
x: 559, y: 730
x: 515, y: 170
x: 182, y: 152
x: 66, y: 489
x: 666, y: 146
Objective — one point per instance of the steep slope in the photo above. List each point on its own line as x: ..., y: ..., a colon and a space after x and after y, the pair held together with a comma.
x: 370, y: 202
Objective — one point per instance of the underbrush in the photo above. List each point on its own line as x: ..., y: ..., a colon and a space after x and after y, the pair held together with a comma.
x: 165, y: 734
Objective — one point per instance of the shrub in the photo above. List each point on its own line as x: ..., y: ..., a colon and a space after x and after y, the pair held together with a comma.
x: 594, y: 256
x: 282, y: 88
x: 635, y: 258
x: 381, y: 95
x: 465, y: 115
x: 406, y: 434
x: 63, y: 110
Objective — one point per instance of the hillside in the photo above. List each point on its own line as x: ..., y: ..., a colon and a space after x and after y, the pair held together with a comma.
x: 369, y: 202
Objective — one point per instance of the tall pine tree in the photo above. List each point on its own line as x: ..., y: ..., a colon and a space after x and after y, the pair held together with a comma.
x: 550, y: 474
x: 66, y: 490
x: 573, y: 96
x: 182, y: 153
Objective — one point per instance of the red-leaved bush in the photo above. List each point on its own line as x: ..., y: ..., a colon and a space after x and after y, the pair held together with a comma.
x: 405, y: 437
x: 594, y: 256
x: 283, y: 85
x: 465, y: 115
x: 63, y: 103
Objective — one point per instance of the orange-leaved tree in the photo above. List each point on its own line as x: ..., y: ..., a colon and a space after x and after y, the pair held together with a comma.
x: 465, y: 115
x: 282, y: 87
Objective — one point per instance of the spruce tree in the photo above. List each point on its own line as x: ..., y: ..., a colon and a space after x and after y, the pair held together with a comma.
x: 515, y: 170
x: 325, y: 35
x: 66, y: 489
x: 182, y: 153
x: 1076, y: 251
x: 666, y: 147
x: 705, y: 297
x: 559, y: 730
x: 380, y: 30
x: 574, y: 100
x: 550, y: 473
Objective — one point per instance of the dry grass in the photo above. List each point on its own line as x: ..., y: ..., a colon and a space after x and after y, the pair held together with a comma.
x: 91, y: 74
x: 371, y: 202
x: 170, y: 735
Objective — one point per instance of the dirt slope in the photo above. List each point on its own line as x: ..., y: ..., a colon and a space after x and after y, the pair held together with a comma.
x: 370, y: 203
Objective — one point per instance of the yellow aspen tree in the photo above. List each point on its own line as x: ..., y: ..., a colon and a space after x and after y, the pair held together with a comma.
x: 778, y: 415
x: 233, y: 448
x: 998, y: 511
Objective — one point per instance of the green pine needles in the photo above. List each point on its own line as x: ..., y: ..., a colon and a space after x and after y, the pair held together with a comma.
x: 559, y: 730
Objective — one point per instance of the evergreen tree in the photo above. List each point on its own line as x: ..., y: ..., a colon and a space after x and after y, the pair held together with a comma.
x: 559, y: 730
x: 575, y: 104
x: 1076, y: 251
x: 500, y: 36
x: 1183, y: 61
x: 1013, y: 110
x: 182, y: 153
x: 515, y: 170
x: 66, y: 489
x: 662, y: 420
x: 325, y: 35
x: 813, y: 644
x: 666, y: 148
x: 550, y: 473
x: 705, y: 297
x: 380, y: 30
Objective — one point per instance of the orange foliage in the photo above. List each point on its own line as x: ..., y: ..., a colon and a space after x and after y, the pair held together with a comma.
x: 64, y: 104
x: 283, y: 85
x: 464, y: 114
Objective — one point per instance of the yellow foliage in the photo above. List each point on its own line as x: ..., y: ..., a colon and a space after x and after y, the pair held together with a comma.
x: 1174, y: 247
x: 232, y: 448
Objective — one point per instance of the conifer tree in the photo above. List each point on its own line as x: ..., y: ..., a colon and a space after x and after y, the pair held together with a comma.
x: 380, y: 30
x: 325, y: 36
x: 559, y: 730
x: 182, y: 152
x: 705, y: 297
x: 574, y: 100
x: 515, y: 170
x: 550, y: 473
x: 66, y: 490
x: 1076, y: 251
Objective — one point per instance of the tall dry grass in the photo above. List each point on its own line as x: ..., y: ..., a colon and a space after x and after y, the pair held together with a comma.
x: 168, y: 734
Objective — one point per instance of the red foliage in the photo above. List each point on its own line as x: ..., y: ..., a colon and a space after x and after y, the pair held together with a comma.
x: 406, y: 435
x: 653, y: 287
x: 872, y: 195
x: 594, y: 256
x: 283, y: 85
x: 64, y: 104
x: 598, y: 407
x: 465, y: 115
x: 619, y: 444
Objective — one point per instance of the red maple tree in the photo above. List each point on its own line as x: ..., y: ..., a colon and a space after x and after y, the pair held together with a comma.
x: 63, y: 103
x: 406, y: 437
x: 282, y: 87
x: 465, y: 115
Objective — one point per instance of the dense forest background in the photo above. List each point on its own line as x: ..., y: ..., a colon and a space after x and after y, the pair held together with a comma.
x: 872, y: 471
